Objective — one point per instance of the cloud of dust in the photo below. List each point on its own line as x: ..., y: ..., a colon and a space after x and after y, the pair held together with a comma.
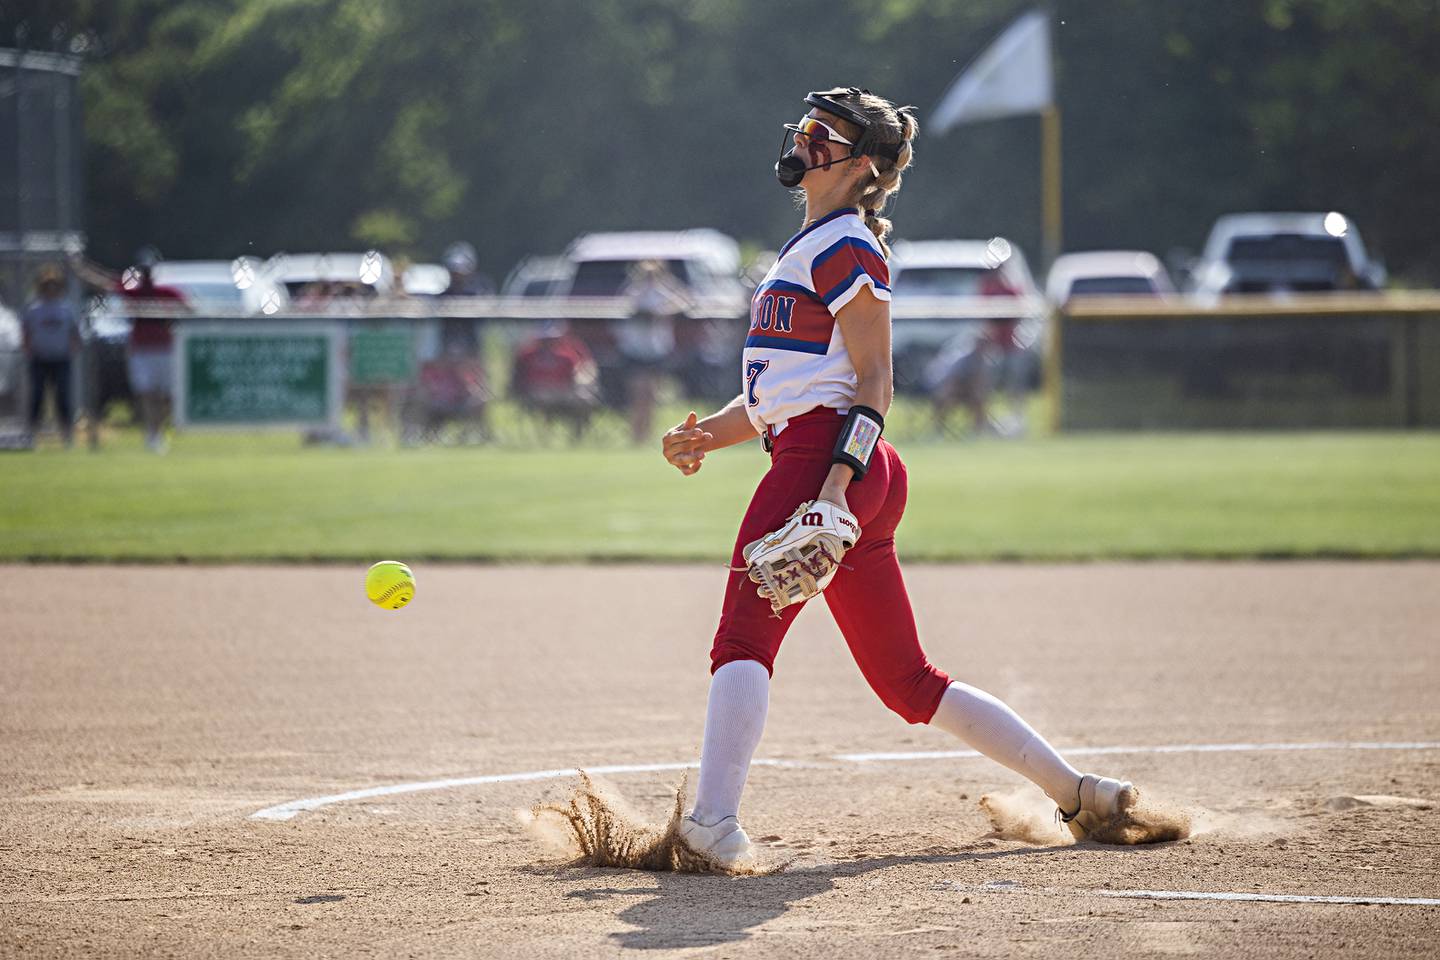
x: 1028, y: 815
x: 1025, y: 814
x: 601, y: 828
x: 553, y: 831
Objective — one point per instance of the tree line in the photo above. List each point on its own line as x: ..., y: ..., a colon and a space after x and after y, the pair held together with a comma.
x: 221, y: 127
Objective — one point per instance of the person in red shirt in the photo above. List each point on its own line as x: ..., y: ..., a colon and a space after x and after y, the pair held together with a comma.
x: 149, y: 357
x: 555, y: 375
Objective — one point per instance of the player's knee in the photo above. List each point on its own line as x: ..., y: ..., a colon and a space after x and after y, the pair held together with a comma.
x: 913, y: 697
x: 730, y: 649
x: 905, y: 705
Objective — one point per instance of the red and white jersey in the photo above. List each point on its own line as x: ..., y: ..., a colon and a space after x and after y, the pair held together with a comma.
x: 795, y: 356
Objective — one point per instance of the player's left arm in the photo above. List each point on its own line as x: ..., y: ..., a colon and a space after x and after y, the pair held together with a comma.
x: 865, y: 325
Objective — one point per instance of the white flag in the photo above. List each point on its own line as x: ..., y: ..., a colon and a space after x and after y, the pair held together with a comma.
x: 1012, y: 76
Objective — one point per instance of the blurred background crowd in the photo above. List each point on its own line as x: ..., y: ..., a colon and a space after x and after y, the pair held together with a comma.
x: 609, y: 165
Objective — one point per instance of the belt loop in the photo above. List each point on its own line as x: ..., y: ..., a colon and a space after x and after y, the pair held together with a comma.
x: 767, y: 441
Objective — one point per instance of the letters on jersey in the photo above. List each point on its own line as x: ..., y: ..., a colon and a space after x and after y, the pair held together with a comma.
x: 793, y: 342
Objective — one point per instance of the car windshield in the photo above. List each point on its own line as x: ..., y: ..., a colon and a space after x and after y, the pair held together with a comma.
x: 1288, y: 248
x: 542, y: 287
x: 1085, y: 286
x: 212, y: 295
x: 945, y: 282
x: 216, y: 295
x: 303, y: 289
x: 607, y: 278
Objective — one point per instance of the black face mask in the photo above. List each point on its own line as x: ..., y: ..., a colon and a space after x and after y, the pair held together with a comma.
x: 790, y: 169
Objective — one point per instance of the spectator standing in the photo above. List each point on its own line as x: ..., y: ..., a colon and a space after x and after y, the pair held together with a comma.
x: 459, y: 336
x: 50, y: 332
x: 459, y: 382
x: 356, y: 300
x: 466, y: 280
x: 647, y: 340
x: 974, y: 366
x: 152, y: 344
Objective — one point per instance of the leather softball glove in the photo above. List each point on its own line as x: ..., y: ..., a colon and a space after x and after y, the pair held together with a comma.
x: 797, y: 561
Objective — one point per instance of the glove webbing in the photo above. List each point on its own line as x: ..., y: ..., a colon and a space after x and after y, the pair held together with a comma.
x: 774, y: 580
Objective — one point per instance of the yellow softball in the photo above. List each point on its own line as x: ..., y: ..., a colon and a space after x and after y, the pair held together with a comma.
x: 390, y: 584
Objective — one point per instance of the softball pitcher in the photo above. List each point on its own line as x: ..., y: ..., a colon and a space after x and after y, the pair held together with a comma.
x: 817, y: 383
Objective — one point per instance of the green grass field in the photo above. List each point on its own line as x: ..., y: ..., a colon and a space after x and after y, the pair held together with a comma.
x: 264, y: 497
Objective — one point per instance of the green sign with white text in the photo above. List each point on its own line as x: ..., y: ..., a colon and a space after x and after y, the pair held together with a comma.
x: 232, y: 376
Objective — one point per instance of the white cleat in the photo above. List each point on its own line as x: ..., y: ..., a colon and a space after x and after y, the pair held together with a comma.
x: 724, y: 844
x: 1101, y: 799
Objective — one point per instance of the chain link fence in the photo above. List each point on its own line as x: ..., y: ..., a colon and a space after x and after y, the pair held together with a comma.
x: 516, y: 372
x: 1248, y: 362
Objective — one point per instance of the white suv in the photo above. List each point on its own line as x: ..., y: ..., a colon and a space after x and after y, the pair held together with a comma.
x: 1106, y: 273
x: 238, y: 287
x: 706, y: 262
x: 370, y: 272
x: 943, y: 291
x: 1285, y: 253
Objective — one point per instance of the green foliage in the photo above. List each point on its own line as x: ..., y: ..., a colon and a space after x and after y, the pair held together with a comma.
x: 384, y: 230
x: 221, y: 126
x: 228, y: 497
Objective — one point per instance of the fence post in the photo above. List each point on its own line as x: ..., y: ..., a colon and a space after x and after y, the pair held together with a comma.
x: 1053, y: 367
x: 1412, y: 370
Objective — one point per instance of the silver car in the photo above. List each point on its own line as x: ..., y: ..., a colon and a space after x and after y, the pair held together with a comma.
x: 1285, y: 253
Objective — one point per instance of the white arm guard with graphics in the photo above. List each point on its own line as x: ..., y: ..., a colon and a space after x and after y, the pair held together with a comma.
x: 797, y: 561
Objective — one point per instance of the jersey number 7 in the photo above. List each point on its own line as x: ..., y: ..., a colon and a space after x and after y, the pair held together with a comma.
x: 753, y: 369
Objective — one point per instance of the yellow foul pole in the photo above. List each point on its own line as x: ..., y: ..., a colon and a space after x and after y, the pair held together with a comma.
x: 1052, y: 239
x: 1050, y: 181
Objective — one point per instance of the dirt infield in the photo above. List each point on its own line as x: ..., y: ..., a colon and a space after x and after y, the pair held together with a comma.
x: 148, y: 714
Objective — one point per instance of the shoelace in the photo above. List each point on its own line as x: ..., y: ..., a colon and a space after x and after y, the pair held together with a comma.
x: 1061, y: 816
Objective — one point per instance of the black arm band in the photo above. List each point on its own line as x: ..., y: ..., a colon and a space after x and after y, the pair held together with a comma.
x: 858, y: 439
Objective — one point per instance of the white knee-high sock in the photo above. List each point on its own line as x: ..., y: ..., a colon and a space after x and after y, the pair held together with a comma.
x: 992, y: 728
x: 734, y: 721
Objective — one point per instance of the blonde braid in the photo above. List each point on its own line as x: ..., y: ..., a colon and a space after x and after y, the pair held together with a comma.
x: 879, y: 190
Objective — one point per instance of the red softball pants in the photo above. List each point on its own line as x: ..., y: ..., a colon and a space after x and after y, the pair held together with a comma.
x: 867, y: 596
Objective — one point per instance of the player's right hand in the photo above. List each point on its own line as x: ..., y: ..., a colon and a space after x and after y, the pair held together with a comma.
x: 684, y: 445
